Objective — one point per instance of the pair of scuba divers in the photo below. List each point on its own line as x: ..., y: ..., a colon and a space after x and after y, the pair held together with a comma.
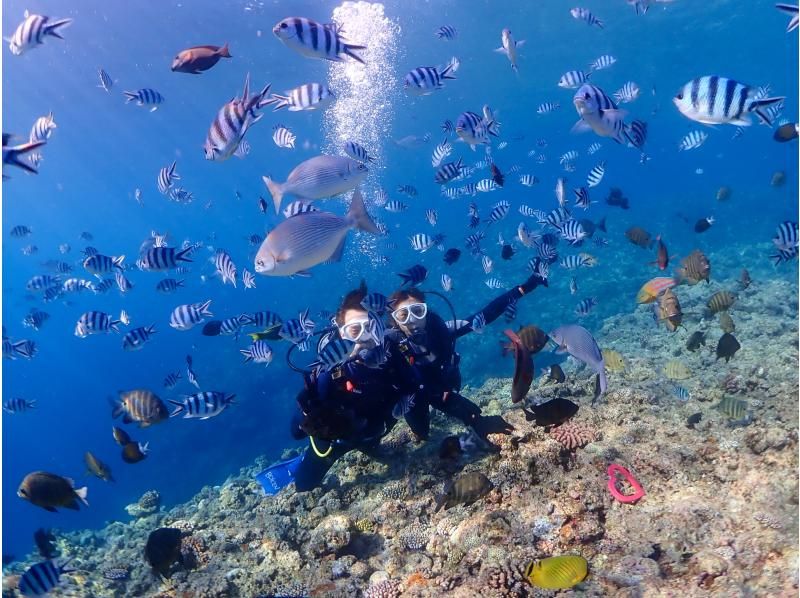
x: 355, y: 404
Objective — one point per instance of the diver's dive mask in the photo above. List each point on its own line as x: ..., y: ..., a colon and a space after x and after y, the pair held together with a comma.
x: 413, y: 311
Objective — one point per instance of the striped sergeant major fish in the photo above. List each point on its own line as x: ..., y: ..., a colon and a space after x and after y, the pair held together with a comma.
x: 309, y: 96
x: 171, y: 380
x: 332, y: 353
x: 159, y: 259
x: 447, y: 32
x: 283, y: 137
x: 423, y: 242
x: 791, y: 10
x: 190, y: 375
x: 17, y: 405
x: 636, y: 134
x: 225, y: 267
x: 185, y: 317
x: 603, y: 62
x: 424, y: 80
x: 571, y: 262
x: 248, y: 279
x: 41, y: 578
x: 528, y: 180
x: 316, y: 40
x: 595, y: 175
x: 166, y: 177
x: 297, y: 329
x: 144, y: 97
x: 499, y: 211
x: 202, y: 405
x: 627, y: 93
x: 475, y: 130
x: 447, y: 172
x: 598, y: 113
x: 584, y: 14
x: 106, y: 82
x: 42, y: 128
x: 233, y: 120
x: 96, y: 322
x: 714, y: 100
x: 33, y: 30
x: 786, y: 236
x: 572, y: 231
x: 258, y: 352
x: 357, y: 152
x: 136, y: 338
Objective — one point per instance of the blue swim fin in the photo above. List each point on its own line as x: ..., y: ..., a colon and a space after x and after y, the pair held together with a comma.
x: 278, y: 476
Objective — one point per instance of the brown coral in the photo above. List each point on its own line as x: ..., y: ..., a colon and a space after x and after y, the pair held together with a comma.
x: 194, y: 552
x: 385, y: 589
x: 574, y: 435
x: 506, y: 581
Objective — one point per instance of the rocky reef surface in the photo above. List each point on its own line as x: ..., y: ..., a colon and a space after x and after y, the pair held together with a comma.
x: 719, y: 518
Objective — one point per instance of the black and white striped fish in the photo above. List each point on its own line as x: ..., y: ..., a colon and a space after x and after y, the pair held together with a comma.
x: 17, y: 405
x: 478, y: 323
x: 103, y: 264
x: 486, y: 185
x: 106, y: 82
x: 35, y: 319
x: 422, y: 242
x: 171, y: 380
x: 447, y: 32
x: 42, y: 128
x: 185, y: 317
x: 42, y: 281
x: 715, y: 100
x: 582, y: 198
x: 258, y: 352
x: 594, y: 148
x: 494, y: 283
x: 144, y: 97
x: 265, y: 319
x: 528, y: 211
x: 447, y: 172
x: 627, y: 93
x: 568, y: 156
x: 447, y: 283
x: 440, y: 152
x: 786, y: 236
x: 573, y: 79
x: 103, y: 286
x: 571, y: 262
x: 409, y: 190
x: 547, y: 107
x: 636, y: 134
x: 476, y: 130
x: 595, y: 176
x: 395, y: 206
x: 233, y: 326
x: 474, y: 215
x: 190, y: 375
x: 357, y: 152
x: 585, y: 307
x: 510, y: 312
x: 136, y: 338
x: 298, y: 207
x: 166, y: 177
x: 283, y: 137
x: 529, y: 180
x: 316, y: 40
x: 123, y: 284
x: 40, y: 579
x: 33, y: 30
x: 473, y: 241
x: 573, y: 286
x: 74, y: 285
x: 499, y: 211
x: 158, y: 259
x: 692, y: 140
x: 232, y: 122
x: 448, y: 128
x: 169, y: 285
x: 583, y: 14
x: 248, y: 279
x: 297, y: 329
x: 431, y: 216
x: 572, y: 231
x: 202, y: 405
x: 333, y: 353
x: 309, y: 96
x: 424, y: 80
x: 20, y: 231
x: 96, y: 322
x: 225, y: 267
x: 603, y: 62
x: 556, y: 217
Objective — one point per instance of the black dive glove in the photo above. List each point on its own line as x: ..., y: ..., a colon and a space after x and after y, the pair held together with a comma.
x: 534, y: 280
x: 491, y: 424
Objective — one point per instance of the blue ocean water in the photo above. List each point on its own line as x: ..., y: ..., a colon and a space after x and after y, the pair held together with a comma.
x: 102, y: 150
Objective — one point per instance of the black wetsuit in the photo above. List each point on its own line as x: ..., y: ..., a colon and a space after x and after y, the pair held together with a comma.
x: 441, y: 375
x: 352, y: 404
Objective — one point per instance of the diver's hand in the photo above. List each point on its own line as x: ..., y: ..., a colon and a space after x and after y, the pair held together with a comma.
x: 534, y: 280
x: 491, y: 424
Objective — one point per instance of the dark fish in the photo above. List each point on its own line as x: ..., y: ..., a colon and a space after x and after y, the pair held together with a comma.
x: 698, y: 338
x: 727, y: 346
x: 45, y: 542
x: 703, y: 225
x: 199, y: 58
x: 451, y: 256
x: 212, y: 328
x: 523, y: 368
x: 552, y: 413
x: 507, y: 252
x: 97, y: 468
x: 556, y: 374
x: 721, y: 301
x: 497, y: 176
x: 693, y: 419
x: 787, y: 132
x: 163, y: 548
x: 778, y: 179
x: 121, y: 437
x: 414, y: 275
x: 533, y: 339
x: 450, y: 448
x: 639, y: 236
x: 724, y: 193
x: 694, y: 268
x: 48, y: 490
x: 615, y: 198
x: 465, y: 490
x: 133, y: 452
x: 745, y: 278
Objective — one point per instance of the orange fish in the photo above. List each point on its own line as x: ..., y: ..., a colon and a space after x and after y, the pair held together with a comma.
x: 653, y: 288
x: 662, y: 255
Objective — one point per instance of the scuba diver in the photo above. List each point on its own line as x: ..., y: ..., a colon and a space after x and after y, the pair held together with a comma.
x: 349, y: 406
x: 429, y: 342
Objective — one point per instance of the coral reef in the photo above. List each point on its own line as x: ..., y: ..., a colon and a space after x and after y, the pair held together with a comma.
x: 714, y: 521
x: 148, y: 504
